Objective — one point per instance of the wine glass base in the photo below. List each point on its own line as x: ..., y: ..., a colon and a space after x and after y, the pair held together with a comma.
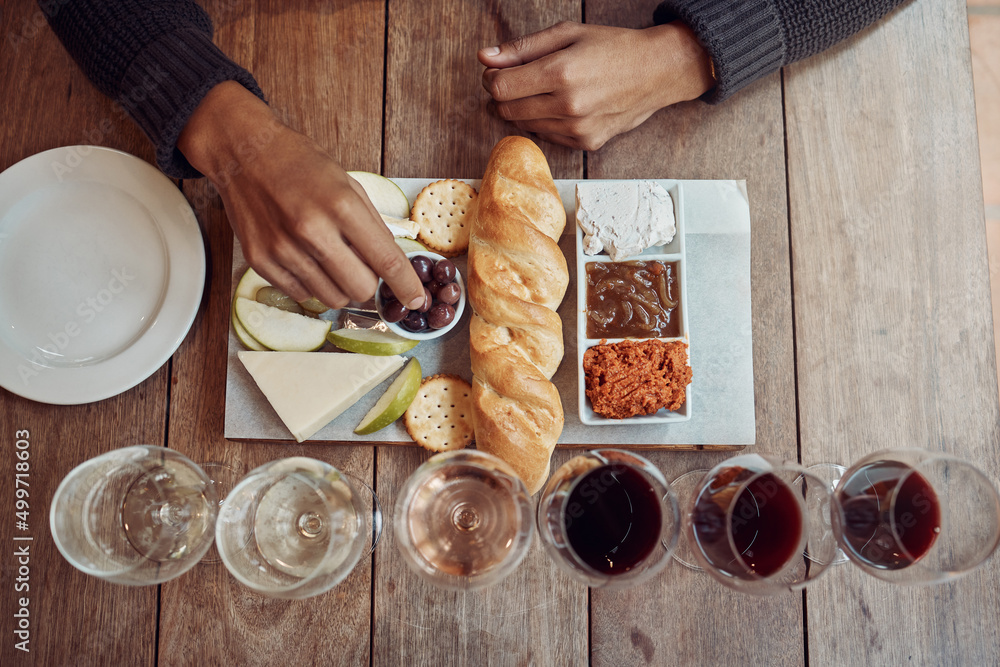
x: 371, y: 508
x: 686, y: 486
x: 830, y: 473
x: 223, y: 478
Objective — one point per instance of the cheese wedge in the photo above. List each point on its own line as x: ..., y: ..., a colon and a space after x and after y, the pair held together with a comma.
x: 309, y: 389
x: 401, y: 227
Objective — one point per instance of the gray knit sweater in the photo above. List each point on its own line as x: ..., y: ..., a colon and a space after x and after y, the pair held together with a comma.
x: 157, y: 59
x: 748, y: 39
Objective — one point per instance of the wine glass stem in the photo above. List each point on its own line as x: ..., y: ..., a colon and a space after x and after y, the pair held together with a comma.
x: 310, y: 525
x: 170, y: 514
x: 465, y: 517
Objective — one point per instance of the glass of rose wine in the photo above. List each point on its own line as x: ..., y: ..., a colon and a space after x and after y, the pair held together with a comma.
x: 911, y: 516
x: 609, y: 519
x: 758, y: 524
x: 463, y: 520
x: 296, y: 527
x: 136, y: 515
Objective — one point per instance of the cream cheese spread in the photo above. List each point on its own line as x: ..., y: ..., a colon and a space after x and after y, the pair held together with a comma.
x: 623, y: 218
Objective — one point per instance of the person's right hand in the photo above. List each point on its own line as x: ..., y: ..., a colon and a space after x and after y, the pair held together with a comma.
x: 304, y: 224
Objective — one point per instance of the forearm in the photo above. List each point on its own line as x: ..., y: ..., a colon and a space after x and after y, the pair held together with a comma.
x: 229, y: 127
x: 685, y: 69
x: 749, y: 39
x: 154, y: 57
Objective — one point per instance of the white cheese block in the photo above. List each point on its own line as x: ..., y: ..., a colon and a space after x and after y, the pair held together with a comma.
x: 310, y: 389
x: 623, y: 218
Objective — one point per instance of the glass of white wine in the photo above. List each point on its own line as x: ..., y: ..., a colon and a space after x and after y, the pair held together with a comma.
x: 138, y: 515
x: 296, y: 527
x: 463, y: 520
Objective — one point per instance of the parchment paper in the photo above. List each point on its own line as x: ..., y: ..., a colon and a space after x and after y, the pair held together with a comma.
x: 717, y: 219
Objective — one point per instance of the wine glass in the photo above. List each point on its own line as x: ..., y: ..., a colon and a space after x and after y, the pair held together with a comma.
x: 463, y: 520
x: 915, y: 517
x: 224, y: 478
x: 296, y: 527
x: 137, y: 515
x: 609, y: 519
x: 830, y: 474
x: 757, y: 524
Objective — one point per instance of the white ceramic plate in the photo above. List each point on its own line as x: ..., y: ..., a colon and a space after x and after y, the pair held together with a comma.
x: 102, y: 269
x: 674, y: 253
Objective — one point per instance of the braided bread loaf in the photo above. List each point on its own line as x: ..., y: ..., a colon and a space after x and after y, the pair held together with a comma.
x: 517, y: 277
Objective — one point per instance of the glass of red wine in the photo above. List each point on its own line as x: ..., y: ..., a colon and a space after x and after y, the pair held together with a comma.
x: 609, y: 519
x: 758, y: 524
x: 911, y: 516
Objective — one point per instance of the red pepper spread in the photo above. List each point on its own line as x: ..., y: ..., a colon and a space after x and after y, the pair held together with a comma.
x: 636, y: 377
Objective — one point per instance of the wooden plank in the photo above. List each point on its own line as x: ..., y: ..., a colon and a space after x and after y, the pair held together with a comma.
x: 47, y: 102
x: 893, y: 326
x: 438, y: 124
x: 439, y: 120
x: 536, y: 616
x: 740, y: 139
x: 322, y: 79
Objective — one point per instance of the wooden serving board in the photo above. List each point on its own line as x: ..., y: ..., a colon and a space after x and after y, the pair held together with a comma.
x: 721, y: 398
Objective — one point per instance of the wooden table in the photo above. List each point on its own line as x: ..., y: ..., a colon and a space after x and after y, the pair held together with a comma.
x: 872, y: 329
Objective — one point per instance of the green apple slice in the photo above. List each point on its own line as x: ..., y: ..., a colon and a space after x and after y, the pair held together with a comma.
x: 385, y: 195
x: 370, y: 341
x: 247, y: 288
x: 393, y: 403
x: 409, y: 245
x: 280, y: 330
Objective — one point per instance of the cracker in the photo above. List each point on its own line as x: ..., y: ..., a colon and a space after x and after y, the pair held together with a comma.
x: 440, y: 417
x: 443, y: 211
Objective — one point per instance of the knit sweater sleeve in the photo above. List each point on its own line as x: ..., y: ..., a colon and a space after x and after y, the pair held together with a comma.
x: 154, y: 57
x: 749, y: 39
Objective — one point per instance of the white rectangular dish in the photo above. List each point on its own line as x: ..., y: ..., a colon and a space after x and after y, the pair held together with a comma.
x: 673, y: 252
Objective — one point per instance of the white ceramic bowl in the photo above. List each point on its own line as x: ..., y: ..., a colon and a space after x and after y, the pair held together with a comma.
x: 426, y: 334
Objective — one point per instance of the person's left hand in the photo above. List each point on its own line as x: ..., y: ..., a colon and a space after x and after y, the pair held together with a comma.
x: 579, y: 85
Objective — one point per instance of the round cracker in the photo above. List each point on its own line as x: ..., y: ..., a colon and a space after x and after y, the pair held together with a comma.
x: 440, y: 416
x: 443, y: 210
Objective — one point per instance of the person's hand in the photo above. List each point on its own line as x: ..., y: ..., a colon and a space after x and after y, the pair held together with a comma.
x: 579, y: 85
x: 304, y: 224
